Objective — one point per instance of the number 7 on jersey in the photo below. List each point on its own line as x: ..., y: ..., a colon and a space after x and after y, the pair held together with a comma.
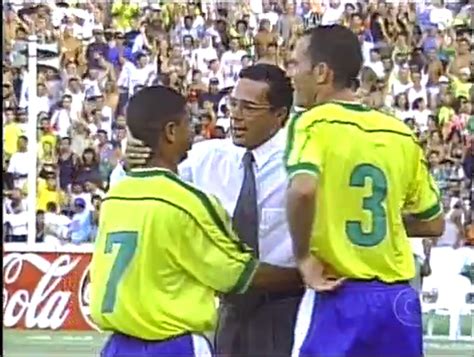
x: 127, y: 242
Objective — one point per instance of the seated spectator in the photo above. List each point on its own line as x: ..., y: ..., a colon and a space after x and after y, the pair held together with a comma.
x: 15, y: 224
x: 20, y: 163
x: 88, y: 169
x: 49, y: 191
x: 80, y: 228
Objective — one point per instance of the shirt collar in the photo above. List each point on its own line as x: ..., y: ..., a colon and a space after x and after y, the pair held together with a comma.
x: 147, y: 171
x: 264, y: 152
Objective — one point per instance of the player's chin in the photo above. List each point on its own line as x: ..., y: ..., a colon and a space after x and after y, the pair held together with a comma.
x: 184, y: 156
x: 239, y: 139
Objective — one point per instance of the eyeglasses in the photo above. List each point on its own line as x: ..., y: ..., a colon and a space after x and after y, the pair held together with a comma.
x: 246, y: 108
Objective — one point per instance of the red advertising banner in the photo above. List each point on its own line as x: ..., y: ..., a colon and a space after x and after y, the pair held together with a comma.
x: 46, y: 291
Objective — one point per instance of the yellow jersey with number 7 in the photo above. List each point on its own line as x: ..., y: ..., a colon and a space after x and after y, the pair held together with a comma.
x: 370, y: 169
x: 163, y: 249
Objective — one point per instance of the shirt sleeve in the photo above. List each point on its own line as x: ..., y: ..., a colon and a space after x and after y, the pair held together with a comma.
x: 213, y: 254
x: 423, y: 199
x: 304, y: 147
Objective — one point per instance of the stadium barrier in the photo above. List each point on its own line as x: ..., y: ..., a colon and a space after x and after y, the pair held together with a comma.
x: 47, y: 290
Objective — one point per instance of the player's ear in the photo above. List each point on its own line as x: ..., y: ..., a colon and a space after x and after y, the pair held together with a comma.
x: 170, y: 132
x: 321, y: 73
x: 282, y: 115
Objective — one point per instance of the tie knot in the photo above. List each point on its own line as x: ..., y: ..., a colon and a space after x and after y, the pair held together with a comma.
x: 248, y: 158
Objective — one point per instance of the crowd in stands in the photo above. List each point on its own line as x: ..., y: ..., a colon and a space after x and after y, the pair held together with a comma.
x: 93, y: 55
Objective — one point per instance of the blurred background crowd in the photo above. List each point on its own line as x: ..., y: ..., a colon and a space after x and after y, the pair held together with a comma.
x: 93, y: 55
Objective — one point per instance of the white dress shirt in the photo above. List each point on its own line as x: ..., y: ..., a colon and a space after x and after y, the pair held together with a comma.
x: 215, y: 166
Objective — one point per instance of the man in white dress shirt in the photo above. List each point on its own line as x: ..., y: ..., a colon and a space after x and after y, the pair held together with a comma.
x: 256, y: 323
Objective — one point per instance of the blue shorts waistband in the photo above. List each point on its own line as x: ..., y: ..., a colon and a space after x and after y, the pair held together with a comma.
x: 367, y: 284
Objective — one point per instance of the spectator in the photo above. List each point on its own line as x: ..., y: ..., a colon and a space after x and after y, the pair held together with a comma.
x: 49, y: 191
x: 417, y: 58
x: 16, y: 224
x: 68, y: 163
x: 40, y: 226
x: 11, y: 132
x: 80, y: 228
x: 20, y: 163
x: 64, y: 117
x: 89, y: 168
x: 56, y: 225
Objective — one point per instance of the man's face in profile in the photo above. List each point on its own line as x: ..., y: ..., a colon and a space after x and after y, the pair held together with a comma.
x: 184, y: 135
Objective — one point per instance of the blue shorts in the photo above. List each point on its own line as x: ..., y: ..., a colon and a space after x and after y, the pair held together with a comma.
x: 360, y: 319
x: 188, y: 345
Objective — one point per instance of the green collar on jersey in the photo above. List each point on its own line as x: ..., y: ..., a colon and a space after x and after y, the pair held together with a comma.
x: 148, y: 172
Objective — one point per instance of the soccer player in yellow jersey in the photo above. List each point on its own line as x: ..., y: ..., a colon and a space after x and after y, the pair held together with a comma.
x: 359, y: 185
x: 164, y: 248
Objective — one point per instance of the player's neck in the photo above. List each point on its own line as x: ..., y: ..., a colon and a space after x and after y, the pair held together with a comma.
x: 342, y: 95
x: 162, y: 163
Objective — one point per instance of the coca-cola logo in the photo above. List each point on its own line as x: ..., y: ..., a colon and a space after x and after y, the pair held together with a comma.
x: 84, y: 298
x: 47, y: 306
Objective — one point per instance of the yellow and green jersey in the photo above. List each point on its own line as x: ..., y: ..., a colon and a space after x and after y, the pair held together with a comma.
x: 163, y: 249
x: 461, y: 89
x: 370, y: 168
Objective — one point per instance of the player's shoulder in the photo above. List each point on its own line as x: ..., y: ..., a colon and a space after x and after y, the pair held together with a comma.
x: 329, y: 112
x: 390, y: 121
x: 214, y: 149
x: 356, y: 114
x: 192, y: 200
x: 161, y: 186
x: 125, y: 184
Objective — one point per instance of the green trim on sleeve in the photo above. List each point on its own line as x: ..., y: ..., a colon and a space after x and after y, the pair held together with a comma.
x: 245, y: 278
x: 303, y: 167
x: 430, y: 213
x: 291, y: 136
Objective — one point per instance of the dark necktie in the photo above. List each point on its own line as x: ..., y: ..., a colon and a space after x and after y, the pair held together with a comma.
x: 245, y: 219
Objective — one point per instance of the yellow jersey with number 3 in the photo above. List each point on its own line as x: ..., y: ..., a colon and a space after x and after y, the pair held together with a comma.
x: 163, y: 249
x: 370, y: 168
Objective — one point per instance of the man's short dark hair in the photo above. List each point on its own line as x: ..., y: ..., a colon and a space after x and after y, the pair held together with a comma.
x: 339, y: 48
x: 51, y: 207
x: 189, y: 37
x: 151, y: 109
x: 280, y: 93
x: 241, y: 22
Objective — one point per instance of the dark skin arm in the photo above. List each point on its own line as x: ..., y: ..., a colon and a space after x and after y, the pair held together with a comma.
x: 418, y: 228
x: 300, y: 208
x: 272, y: 278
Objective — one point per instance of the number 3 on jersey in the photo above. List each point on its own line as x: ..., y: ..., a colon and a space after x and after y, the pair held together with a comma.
x: 127, y: 242
x: 372, y: 203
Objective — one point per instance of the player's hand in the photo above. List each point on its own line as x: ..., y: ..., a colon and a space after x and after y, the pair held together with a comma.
x: 136, y: 154
x: 314, y: 276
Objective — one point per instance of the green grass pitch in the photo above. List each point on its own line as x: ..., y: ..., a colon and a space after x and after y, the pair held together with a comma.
x: 39, y: 343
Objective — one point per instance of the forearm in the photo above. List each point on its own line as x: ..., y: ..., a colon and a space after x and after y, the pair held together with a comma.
x: 300, y: 210
x: 272, y: 278
x: 417, y: 228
